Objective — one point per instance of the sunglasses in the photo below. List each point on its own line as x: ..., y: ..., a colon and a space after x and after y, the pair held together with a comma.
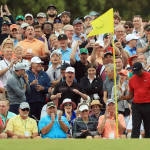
x: 51, y: 8
x: 69, y: 104
x: 25, y: 109
x: 57, y: 21
x: 126, y: 27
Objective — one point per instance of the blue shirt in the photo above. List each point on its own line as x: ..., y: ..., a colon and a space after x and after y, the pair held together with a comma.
x: 15, y: 42
x: 55, y: 132
x: 76, y: 37
x: 130, y: 51
x: 66, y: 54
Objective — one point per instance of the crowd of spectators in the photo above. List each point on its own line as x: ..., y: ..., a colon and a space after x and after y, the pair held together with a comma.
x: 57, y: 83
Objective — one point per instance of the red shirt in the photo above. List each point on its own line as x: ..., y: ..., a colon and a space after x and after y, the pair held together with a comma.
x: 1, y: 122
x: 140, y: 86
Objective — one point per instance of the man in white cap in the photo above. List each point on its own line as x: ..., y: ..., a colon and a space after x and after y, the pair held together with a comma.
x: 21, y: 126
x: 131, y: 44
x: 41, y: 18
x: 107, y: 122
x: 29, y: 18
x: 68, y: 89
x: 39, y: 84
x: 17, y: 87
x: 52, y: 125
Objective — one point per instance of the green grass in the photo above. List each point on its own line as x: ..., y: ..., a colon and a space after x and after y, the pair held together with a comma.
x: 76, y: 144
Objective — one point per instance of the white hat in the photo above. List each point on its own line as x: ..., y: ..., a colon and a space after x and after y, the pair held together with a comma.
x: 24, y: 105
x: 70, y: 69
x: 28, y: 15
x: 23, y: 25
x: 58, y: 51
x: 20, y: 66
x: 87, y: 16
x: 54, y: 52
x: 41, y: 14
x: 83, y: 107
x: 100, y: 42
x: 130, y: 37
x: 36, y: 60
x: 110, y: 101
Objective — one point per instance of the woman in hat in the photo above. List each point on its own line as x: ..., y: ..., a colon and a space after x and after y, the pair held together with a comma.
x: 85, y: 126
x: 92, y: 84
x: 96, y: 109
x: 68, y: 108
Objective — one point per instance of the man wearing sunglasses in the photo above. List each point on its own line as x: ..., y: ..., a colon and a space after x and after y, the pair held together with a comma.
x: 128, y: 26
x: 21, y: 126
x: 52, y: 13
x: 57, y: 26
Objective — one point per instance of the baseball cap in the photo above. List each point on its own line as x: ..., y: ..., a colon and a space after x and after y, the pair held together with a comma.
x: 13, y: 26
x: 87, y: 16
x: 54, y: 52
x: 24, y: 25
x: 6, y: 22
x: 108, y: 53
x: 51, y: 104
x: 83, y: 50
x: 64, y: 66
x: 65, y: 13
x: 24, y: 105
x: 20, y: 66
x: 20, y: 17
x: 110, y: 101
x: 147, y: 27
x: 94, y: 13
x: 100, y: 42
x: 28, y: 15
x: 137, y: 68
x: 125, y: 72
x: 130, y: 59
x: 70, y: 69
x: 62, y: 37
x: 51, y: 6
x: 77, y: 22
x: 41, y: 14
x: 130, y: 37
x: 83, y: 107
x: 36, y: 60
x: 105, y: 35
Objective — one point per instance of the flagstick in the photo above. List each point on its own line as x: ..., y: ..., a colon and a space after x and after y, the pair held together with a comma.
x: 115, y: 86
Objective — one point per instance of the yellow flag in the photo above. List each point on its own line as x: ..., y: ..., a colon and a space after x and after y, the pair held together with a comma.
x: 103, y: 24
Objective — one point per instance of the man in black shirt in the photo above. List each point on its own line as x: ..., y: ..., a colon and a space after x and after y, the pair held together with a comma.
x: 68, y: 89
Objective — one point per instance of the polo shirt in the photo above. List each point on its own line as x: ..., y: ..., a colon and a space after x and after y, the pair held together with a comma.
x: 18, y: 125
x: 110, y: 125
x: 37, y: 46
x: 76, y: 37
x: 67, y: 92
x: 80, y: 70
x: 140, y: 86
x: 9, y: 115
x: 55, y: 132
x: 130, y: 50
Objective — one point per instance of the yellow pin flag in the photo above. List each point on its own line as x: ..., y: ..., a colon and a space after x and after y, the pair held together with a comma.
x: 103, y: 24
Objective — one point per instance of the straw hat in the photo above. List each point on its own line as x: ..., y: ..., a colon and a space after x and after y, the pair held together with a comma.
x: 96, y: 102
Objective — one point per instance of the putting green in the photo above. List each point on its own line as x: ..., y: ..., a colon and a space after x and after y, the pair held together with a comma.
x: 76, y: 144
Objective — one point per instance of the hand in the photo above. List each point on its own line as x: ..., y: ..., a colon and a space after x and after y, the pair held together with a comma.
x: 21, y: 137
x: 26, y: 77
x: 83, y: 131
x: 7, y: 10
x: 58, y: 95
x: 121, y: 97
x: 25, y: 86
x: 44, y: 37
x: 59, y: 116
x: 34, y: 82
x: 107, y: 114
x: 79, y: 43
x: 82, y: 38
x: 118, y: 44
x: 39, y: 87
x: 76, y: 91
x: 2, y: 15
x: 50, y: 90
x: 53, y: 117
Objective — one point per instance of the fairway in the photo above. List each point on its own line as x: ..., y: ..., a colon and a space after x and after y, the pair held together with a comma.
x: 76, y: 144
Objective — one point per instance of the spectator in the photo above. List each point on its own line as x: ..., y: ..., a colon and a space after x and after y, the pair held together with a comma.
x: 139, y: 90
x: 94, y: 14
x: 53, y: 39
x: 53, y: 126
x: 96, y: 107
x: 85, y: 126
x: 107, y: 122
x: 2, y: 135
x: 20, y: 19
x: 16, y: 92
x: 68, y: 89
x: 133, y: 59
x: 41, y: 18
x: 68, y: 108
x: 18, y: 51
x: 58, y: 26
x: 92, y: 84
x: 117, y: 19
x: 39, y: 84
x: 21, y: 126
x: 119, y: 64
x: 23, y: 30
x: 52, y: 13
x: 38, y: 31
x: 36, y: 47
x: 109, y: 83
x: 14, y: 33
x: 29, y: 19
x: 128, y: 26
x: 65, y: 17
x: 131, y: 44
x: 87, y: 21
